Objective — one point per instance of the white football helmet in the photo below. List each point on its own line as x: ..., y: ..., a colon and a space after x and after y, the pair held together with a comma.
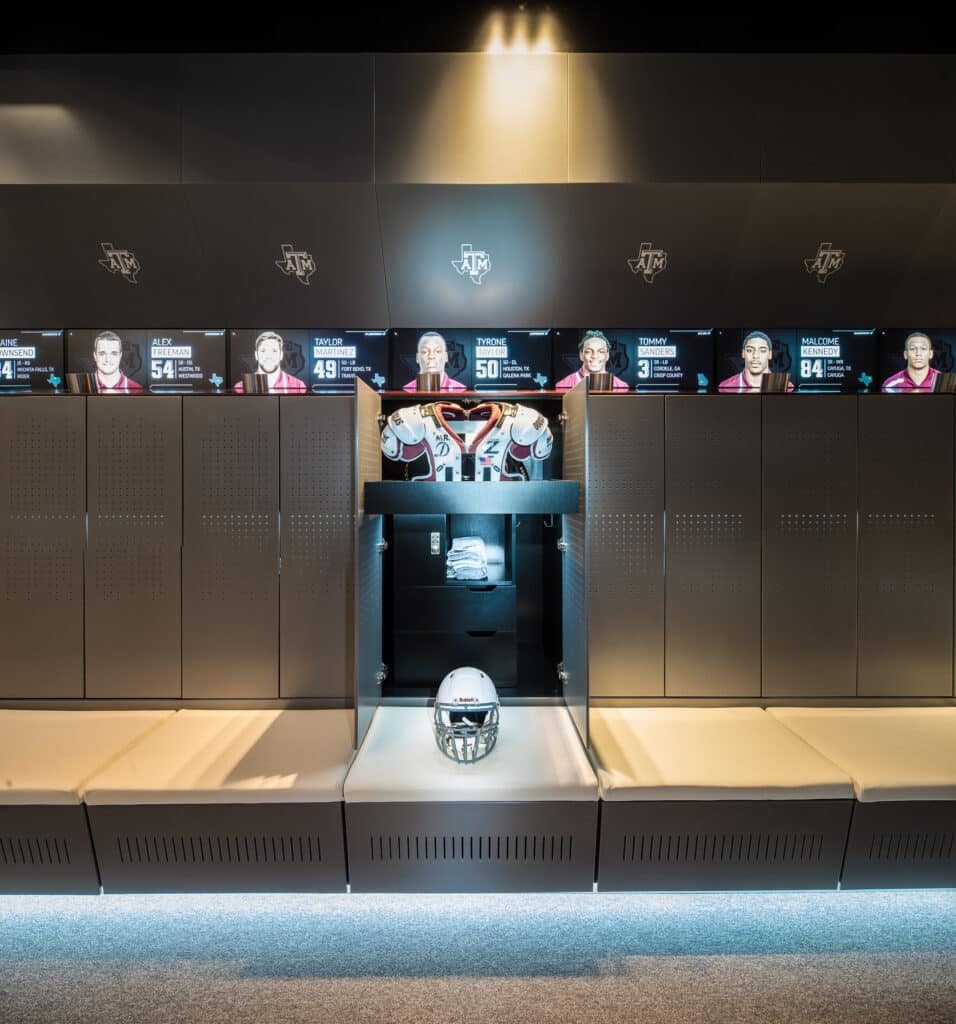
x: 466, y: 715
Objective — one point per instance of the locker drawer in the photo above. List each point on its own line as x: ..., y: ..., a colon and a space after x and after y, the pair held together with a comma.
x: 424, y: 659
x: 456, y: 608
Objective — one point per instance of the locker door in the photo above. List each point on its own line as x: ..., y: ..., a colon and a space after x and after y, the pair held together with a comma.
x: 317, y: 538
x: 231, y: 547
x: 809, y: 579
x: 42, y: 512
x: 626, y: 545
x: 906, y: 546
x: 134, y: 580
x: 712, y: 450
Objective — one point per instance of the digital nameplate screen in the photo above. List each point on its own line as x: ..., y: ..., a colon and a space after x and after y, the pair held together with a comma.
x: 911, y: 359
x: 30, y: 360
x: 337, y: 357
x: 479, y: 359
x: 283, y: 356
x: 832, y: 360
x: 158, y: 359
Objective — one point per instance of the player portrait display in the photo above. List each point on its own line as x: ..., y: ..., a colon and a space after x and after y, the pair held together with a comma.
x: 490, y: 441
x: 337, y: 357
x: 749, y: 355
x: 578, y: 353
x: 447, y: 353
x: 30, y: 359
x: 280, y: 356
x: 186, y: 360
x: 912, y: 360
x: 117, y: 358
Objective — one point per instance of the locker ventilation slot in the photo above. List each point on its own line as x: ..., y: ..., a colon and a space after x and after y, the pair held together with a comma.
x: 542, y: 849
x: 727, y: 848
x: 913, y: 846
x: 226, y: 849
x: 44, y: 851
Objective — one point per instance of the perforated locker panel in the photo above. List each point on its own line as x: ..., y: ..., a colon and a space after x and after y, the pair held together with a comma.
x: 134, y: 584
x: 42, y: 523
x: 906, y: 546
x: 231, y: 547
x: 367, y: 652
x: 317, y: 440
x: 626, y: 546
x: 809, y: 578
x: 712, y: 480
x: 574, y: 567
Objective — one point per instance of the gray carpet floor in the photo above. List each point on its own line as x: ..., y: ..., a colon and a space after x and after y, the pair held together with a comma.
x: 687, y: 958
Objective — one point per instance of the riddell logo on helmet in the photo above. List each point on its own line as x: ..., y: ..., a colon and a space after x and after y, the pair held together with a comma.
x: 466, y: 700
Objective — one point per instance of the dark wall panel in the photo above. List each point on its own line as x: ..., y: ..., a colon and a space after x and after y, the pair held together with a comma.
x: 875, y: 227
x: 471, y: 118
x: 134, y: 547
x: 626, y: 546
x: 68, y: 278
x: 906, y: 546
x: 244, y: 229
x: 231, y: 547
x: 922, y: 295
x: 696, y: 226
x: 80, y: 119
x: 809, y: 578
x: 277, y: 117
x: 854, y: 117
x: 42, y: 512
x: 424, y: 229
x: 317, y: 538
x: 663, y: 117
x: 712, y: 451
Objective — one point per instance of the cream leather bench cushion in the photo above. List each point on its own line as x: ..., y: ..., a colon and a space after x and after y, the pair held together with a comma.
x: 707, y: 754
x: 46, y: 757
x: 890, y: 753
x: 538, y: 757
x: 202, y: 757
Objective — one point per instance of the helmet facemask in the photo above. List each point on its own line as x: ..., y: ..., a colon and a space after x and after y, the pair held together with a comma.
x: 466, y: 733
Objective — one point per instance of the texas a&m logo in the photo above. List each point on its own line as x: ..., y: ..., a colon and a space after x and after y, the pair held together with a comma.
x: 649, y: 263
x: 296, y: 263
x: 826, y: 262
x: 474, y: 262
x: 120, y: 261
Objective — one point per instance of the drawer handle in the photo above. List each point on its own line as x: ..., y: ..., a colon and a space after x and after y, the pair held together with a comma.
x: 479, y: 633
x: 483, y: 590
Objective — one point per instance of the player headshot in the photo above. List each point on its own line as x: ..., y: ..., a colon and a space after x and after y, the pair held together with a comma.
x: 269, y: 355
x: 594, y: 351
x: 431, y: 355
x: 107, y: 356
x: 756, y: 352
x: 918, y: 374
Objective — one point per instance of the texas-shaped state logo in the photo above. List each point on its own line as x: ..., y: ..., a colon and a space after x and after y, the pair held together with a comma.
x: 473, y: 262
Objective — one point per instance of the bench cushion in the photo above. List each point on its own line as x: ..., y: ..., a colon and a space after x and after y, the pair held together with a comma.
x: 231, y: 757
x: 890, y: 753
x: 538, y: 756
x: 707, y: 754
x: 46, y: 757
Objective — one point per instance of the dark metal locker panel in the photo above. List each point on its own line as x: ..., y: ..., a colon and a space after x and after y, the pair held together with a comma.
x: 231, y: 547
x: 712, y: 481
x: 134, y: 547
x: 42, y: 512
x: 809, y: 574
x: 906, y: 546
x: 626, y: 545
x: 317, y: 449
x: 369, y: 672
x: 574, y: 566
